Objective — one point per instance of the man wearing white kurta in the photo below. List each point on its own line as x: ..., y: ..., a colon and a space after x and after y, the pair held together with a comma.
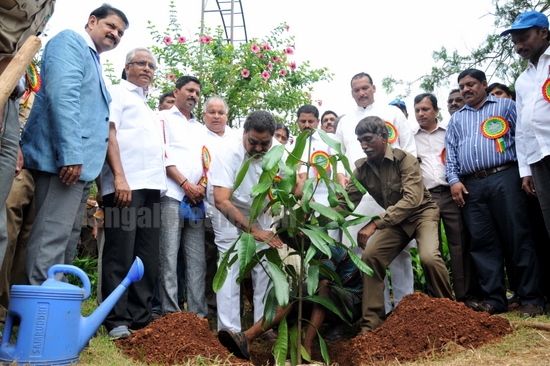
x: 185, y: 138
x: 400, y: 136
x: 234, y: 208
x: 132, y: 181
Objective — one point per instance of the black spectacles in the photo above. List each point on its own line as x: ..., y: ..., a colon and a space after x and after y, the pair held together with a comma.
x: 458, y: 100
x: 143, y: 64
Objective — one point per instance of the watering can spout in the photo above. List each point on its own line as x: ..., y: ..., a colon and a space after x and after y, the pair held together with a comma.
x: 89, y: 324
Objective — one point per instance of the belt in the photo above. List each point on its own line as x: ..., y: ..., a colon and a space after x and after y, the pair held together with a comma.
x: 487, y: 172
x: 439, y: 189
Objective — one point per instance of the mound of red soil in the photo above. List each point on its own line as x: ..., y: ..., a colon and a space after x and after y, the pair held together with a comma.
x: 175, y: 339
x: 418, y: 327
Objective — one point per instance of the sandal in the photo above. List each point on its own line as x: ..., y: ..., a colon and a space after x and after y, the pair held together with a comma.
x: 235, y: 342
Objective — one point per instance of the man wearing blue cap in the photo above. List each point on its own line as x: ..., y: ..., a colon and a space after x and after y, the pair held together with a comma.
x: 530, y: 38
x: 401, y: 105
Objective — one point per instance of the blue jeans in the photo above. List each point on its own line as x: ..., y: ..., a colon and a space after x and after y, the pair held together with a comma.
x: 190, y: 236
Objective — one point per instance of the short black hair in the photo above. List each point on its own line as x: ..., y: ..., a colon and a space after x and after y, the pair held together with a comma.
x: 502, y: 87
x: 430, y: 96
x: 326, y: 113
x: 456, y: 90
x: 180, y: 83
x: 361, y: 75
x: 308, y: 109
x: 105, y: 10
x: 282, y: 126
x: 372, y: 124
x: 260, y: 121
x: 165, y: 95
x: 475, y: 73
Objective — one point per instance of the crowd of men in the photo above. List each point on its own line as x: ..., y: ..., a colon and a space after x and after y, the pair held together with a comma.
x: 166, y: 183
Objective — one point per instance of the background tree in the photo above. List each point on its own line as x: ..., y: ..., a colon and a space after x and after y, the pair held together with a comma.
x: 258, y: 74
x: 495, y: 55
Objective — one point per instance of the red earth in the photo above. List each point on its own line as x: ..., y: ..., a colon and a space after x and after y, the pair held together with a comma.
x: 419, y: 326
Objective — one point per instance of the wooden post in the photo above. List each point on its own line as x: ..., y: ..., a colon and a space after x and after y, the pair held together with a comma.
x: 17, y: 66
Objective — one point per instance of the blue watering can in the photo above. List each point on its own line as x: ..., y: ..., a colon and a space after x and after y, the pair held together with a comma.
x: 52, y: 331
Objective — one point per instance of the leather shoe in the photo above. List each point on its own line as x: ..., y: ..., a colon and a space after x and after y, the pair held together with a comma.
x: 531, y: 310
x: 481, y: 306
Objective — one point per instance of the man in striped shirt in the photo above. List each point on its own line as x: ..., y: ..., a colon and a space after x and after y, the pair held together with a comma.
x: 483, y: 174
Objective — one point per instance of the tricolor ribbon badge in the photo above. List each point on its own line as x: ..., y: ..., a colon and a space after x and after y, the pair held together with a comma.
x: 546, y: 90
x: 205, y: 162
x: 272, y: 193
x: 320, y: 158
x: 495, y: 128
x: 33, y: 78
x: 392, y: 133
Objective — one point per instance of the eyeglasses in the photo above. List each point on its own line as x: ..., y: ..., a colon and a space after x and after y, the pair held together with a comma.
x: 458, y: 100
x: 143, y: 64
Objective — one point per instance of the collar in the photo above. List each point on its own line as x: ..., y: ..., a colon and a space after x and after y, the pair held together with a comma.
x: 489, y: 99
x: 175, y: 111
x: 88, y: 39
x: 361, y: 109
x: 438, y: 126
x: 134, y: 89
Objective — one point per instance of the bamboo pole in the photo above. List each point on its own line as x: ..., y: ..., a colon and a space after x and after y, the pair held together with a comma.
x: 17, y: 66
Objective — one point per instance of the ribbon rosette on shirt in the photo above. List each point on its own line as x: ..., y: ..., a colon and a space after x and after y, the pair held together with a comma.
x: 443, y: 156
x: 205, y: 160
x: 494, y: 128
x: 272, y: 193
x: 392, y: 132
x: 321, y: 159
x: 546, y: 90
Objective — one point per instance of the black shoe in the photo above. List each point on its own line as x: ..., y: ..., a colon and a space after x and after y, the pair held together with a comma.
x: 235, y: 342
x: 531, y: 310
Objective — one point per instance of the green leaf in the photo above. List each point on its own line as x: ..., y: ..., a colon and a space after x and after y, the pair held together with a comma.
x: 324, y: 350
x: 260, y: 188
x: 311, y: 251
x: 221, y: 273
x: 317, y: 240
x: 272, y: 157
x: 246, y: 247
x: 299, y: 146
x: 329, y: 304
x: 307, y: 193
x: 271, y: 306
x: 280, y: 283
x: 334, y: 145
x: 242, y: 173
x: 312, y: 279
x: 322, y: 232
x: 280, y: 350
x: 341, y: 190
x: 327, y: 212
x: 257, y: 208
x: 293, y: 344
x: 360, y: 264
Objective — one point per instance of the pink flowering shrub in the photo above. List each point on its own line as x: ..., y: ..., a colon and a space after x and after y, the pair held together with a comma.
x: 258, y: 74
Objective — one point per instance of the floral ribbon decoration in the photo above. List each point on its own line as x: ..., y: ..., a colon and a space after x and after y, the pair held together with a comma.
x: 546, y: 88
x: 321, y: 159
x: 443, y: 156
x: 494, y: 128
x: 33, y: 78
x: 392, y: 133
x: 205, y: 163
x: 272, y: 193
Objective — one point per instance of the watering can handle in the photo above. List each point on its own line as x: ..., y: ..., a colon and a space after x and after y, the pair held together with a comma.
x: 66, y: 268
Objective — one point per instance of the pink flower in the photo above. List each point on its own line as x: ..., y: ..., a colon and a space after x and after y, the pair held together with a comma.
x: 287, y: 27
x: 283, y: 72
x: 270, y: 66
x: 245, y: 73
x: 292, y: 66
x: 260, y: 55
x: 167, y: 40
x: 205, y: 39
x: 277, y: 59
x: 254, y: 48
x: 289, y: 51
x: 171, y: 76
x: 266, y: 47
x: 265, y: 75
x: 319, y: 102
x: 181, y: 39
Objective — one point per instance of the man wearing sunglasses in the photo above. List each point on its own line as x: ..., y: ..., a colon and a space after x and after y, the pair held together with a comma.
x: 131, y: 181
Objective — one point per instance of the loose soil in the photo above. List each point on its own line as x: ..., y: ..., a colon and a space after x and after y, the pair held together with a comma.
x: 419, y: 327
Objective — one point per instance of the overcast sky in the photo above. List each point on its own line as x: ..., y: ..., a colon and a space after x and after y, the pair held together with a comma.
x: 394, y: 38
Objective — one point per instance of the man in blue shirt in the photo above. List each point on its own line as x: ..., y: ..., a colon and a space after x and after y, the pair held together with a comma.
x: 482, y: 171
